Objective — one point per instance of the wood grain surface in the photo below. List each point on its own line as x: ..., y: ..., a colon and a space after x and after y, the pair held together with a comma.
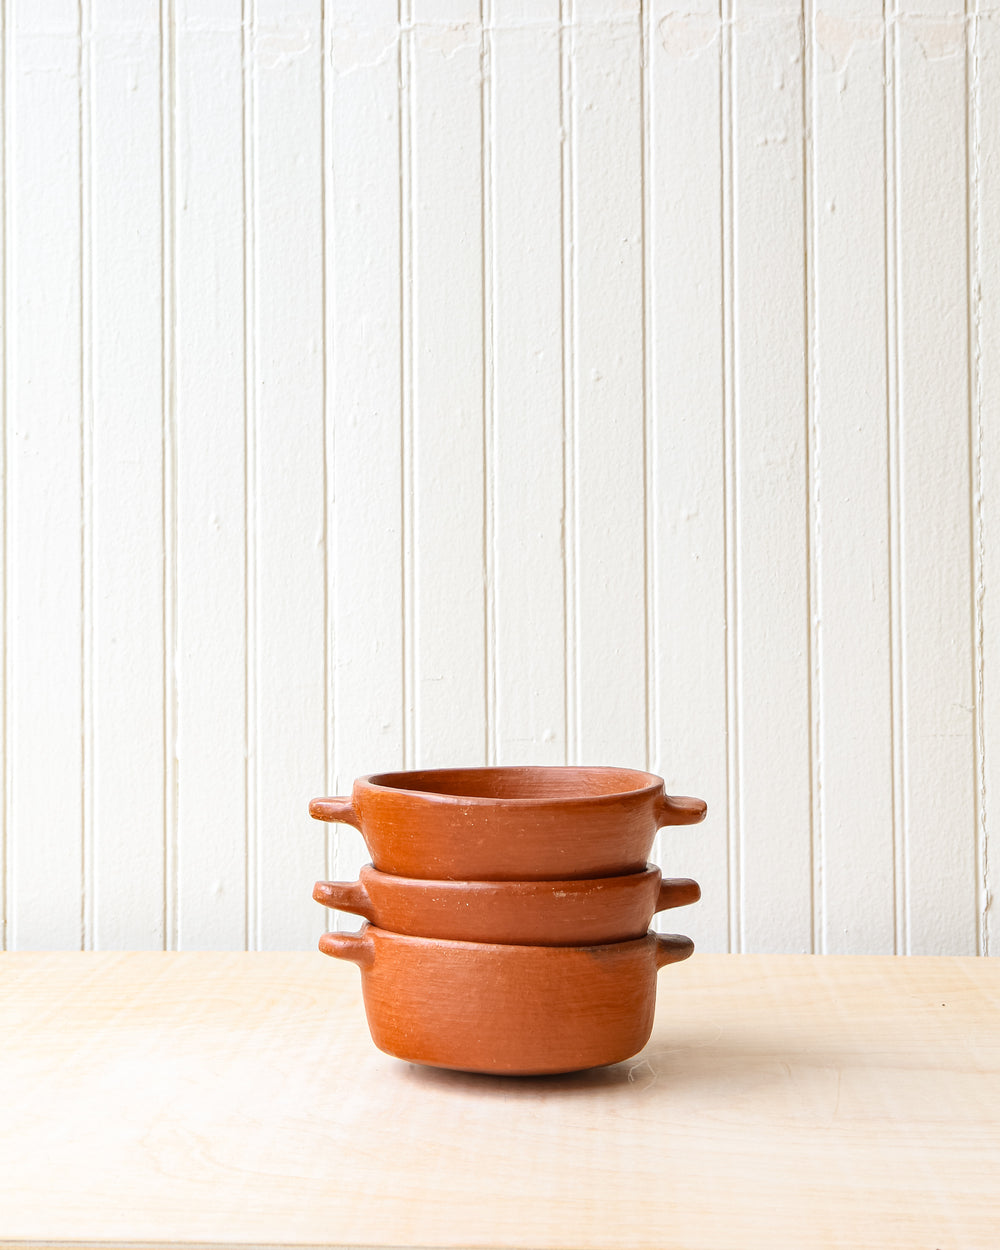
x: 235, y: 1099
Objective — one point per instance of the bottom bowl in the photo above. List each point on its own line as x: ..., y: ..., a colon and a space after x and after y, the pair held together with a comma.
x: 515, y: 1010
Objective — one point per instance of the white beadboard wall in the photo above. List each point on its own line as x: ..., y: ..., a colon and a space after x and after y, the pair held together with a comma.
x: 460, y: 381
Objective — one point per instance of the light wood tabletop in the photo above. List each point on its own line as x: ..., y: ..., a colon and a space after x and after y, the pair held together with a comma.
x: 236, y: 1100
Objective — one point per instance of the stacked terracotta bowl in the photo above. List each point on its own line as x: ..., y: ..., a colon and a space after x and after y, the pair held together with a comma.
x: 508, y: 913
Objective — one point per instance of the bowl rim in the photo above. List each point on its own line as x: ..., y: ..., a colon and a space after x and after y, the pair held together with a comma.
x: 593, y: 950
x: 542, y: 885
x: 653, y: 785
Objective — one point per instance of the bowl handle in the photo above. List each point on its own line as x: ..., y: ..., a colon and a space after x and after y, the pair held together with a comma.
x: 674, y: 892
x: 671, y: 948
x: 359, y: 948
x: 678, y: 811
x: 339, y: 810
x: 345, y: 896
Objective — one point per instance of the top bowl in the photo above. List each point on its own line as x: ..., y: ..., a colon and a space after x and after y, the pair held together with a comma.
x: 509, y: 824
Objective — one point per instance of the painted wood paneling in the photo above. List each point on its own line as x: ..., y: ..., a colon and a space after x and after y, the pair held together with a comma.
x: 686, y: 482
x: 206, y: 495
x: 445, y: 533
x: 393, y: 384
x: 607, y: 523
x: 124, y: 410
x: 771, y: 455
x: 935, y: 549
x: 364, y: 201
x: 48, y: 523
x: 850, y: 530
x: 523, y: 161
x: 286, y: 529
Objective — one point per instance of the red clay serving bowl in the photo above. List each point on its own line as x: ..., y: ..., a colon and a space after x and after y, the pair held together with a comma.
x: 510, y: 824
x: 529, y: 913
x: 514, y: 1010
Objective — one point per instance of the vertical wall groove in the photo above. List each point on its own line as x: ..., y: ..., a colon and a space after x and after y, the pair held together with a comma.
x: 974, y: 283
x: 406, y: 377
x: 813, y: 512
x: 4, y: 509
x: 570, y: 528
x: 168, y: 102
x: 648, y: 409
x: 251, y: 887
x: 487, y: 227
x: 894, y: 486
x: 85, y: 69
x: 329, y: 433
x: 727, y: 225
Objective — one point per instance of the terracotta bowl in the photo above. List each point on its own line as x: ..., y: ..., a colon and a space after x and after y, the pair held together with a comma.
x: 510, y: 824
x: 516, y: 1010
x: 529, y: 913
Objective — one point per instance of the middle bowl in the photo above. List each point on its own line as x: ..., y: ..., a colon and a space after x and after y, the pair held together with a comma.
x: 575, y: 912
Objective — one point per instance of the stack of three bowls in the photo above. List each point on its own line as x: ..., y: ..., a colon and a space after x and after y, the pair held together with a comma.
x: 508, y: 913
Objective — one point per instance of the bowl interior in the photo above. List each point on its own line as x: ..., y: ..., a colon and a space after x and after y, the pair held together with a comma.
x: 519, y: 783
